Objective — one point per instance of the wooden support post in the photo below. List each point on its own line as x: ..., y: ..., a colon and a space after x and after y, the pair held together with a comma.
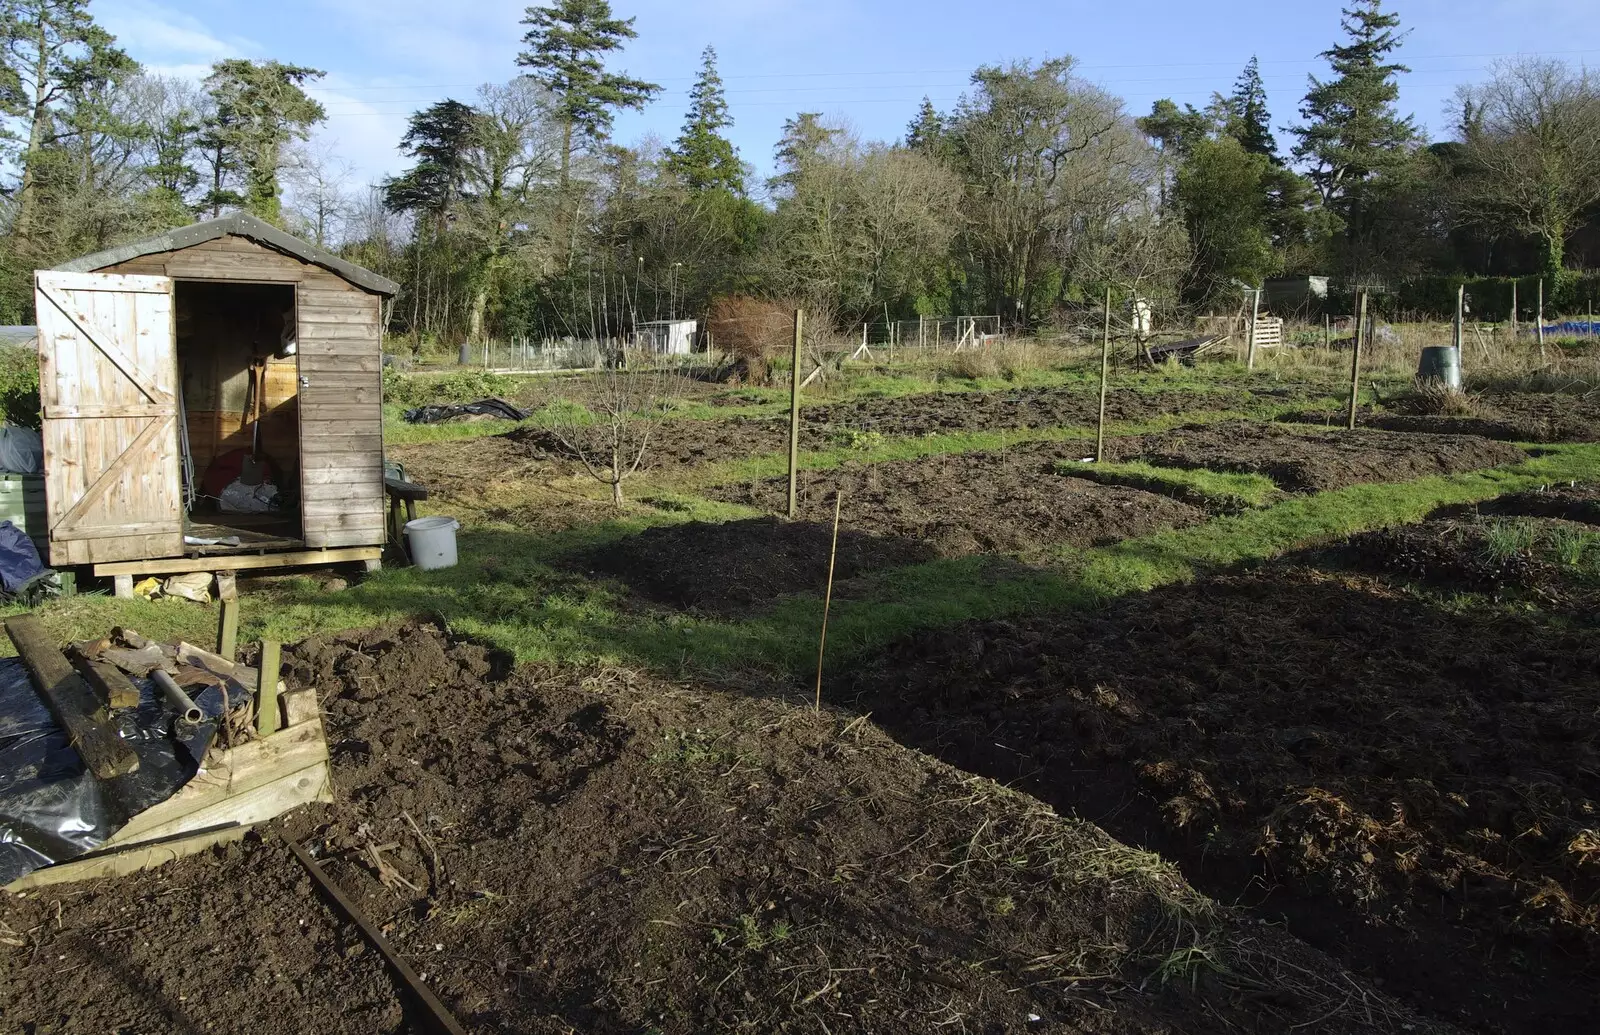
x: 794, y: 415
x: 228, y: 619
x: 438, y: 1013
x: 71, y: 701
x: 1355, y: 357
x: 1105, y: 377
x: 267, y: 720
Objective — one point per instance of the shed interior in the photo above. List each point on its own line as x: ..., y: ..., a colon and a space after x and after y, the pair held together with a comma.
x: 237, y: 363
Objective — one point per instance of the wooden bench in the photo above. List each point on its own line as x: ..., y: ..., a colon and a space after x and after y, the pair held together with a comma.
x: 401, y: 492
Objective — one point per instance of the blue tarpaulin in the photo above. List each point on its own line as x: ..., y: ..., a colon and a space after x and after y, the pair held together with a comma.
x: 19, y: 559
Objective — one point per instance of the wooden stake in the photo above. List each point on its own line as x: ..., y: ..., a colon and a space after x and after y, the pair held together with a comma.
x: 1461, y: 324
x: 1355, y: 358
x: 827, y: 600
x: 1513, y: 308
x: 1105, y: 376
x: 794, y: 414
x: 1255, y: 315
x: 71, y: 701
x: 440, y: 1015
x: 267, y: 688
x: 1327, y: 331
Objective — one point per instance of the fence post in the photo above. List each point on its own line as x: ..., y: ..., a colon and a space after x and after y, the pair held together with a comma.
x: 1355, y: 357
x: 1541, y: 319
x: 1461, y: 321
x: 794, y: 414
x: 1513, y: 309
x: 1327, y: 332
x: 1255, y: 317
x: 1105, y: 375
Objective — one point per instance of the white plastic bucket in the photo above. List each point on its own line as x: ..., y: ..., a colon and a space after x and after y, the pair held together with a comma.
x: 433, y: 542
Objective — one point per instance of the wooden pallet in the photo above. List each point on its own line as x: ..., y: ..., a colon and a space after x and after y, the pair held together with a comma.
x: 238, y: 788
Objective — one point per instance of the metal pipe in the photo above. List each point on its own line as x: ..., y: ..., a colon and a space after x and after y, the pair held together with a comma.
x: 187, y: 709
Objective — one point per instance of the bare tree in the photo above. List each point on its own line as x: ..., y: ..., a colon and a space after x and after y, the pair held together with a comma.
x: 1532, y: 148
x: 613, y: 435
x: 320, y: 202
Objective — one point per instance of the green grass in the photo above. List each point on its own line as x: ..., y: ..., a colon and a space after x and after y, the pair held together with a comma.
x: 1222, y: 490
x: 513, y: 590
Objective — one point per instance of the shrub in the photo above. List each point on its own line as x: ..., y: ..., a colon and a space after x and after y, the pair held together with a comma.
x: 457, y: 386
x: 752, y: 331
x: 19, y: 387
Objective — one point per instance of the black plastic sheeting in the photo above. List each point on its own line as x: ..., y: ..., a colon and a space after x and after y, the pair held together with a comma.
x: 52, y: 808
x: 482, y: 408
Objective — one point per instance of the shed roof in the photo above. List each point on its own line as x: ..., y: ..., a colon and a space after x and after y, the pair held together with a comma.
x: 238, y: 224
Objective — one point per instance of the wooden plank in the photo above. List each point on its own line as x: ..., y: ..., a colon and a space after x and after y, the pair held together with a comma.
x: 299, y: 706
x: 229, y: 775
x: 346, y: 413
x: 122, y: 862
x: 440, y: 1015
x: 352, y: 363
x: 350, y: 537
x: 70, y: 700
x: 240, y: 562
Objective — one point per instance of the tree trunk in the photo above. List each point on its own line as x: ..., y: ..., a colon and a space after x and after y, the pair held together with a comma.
x: 38, y: 128
x: 1555, y: 251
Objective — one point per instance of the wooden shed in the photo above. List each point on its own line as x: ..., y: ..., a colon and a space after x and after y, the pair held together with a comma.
x: 169, y: 365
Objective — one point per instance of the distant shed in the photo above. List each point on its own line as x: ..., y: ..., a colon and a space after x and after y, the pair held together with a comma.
x: 166, y: 361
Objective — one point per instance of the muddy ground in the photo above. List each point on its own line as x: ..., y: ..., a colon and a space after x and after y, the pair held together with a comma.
x: 737, y: 568
x: 1011, y: 502
x: 1412, y: 785
x: 588, y: 851
x: 1315, y: 461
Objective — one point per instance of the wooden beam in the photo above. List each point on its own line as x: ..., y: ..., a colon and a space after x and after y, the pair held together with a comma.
x: 71, y: 701
x: 116, y: 689
x: 297, y: 559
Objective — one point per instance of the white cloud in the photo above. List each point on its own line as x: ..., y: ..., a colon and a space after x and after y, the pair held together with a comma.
x: 157, y: 34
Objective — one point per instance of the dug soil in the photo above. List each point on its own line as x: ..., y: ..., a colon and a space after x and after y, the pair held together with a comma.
x: 1009, y: 502
x: 1512, y: 417
x: 737, y: 568
x: 1415, y: 789
x: 828, y: 426
x: 1315, y: 461
x: 589, y: 851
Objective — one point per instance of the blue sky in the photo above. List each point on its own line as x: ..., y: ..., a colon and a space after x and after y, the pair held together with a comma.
x: 870, y: 62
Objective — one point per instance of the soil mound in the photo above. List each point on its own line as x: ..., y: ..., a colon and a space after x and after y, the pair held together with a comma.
x: 738, y: 567
x: 1418, y: 786
x: 1010, y: 502
x: 1301, y: 462
x: 562, y: 851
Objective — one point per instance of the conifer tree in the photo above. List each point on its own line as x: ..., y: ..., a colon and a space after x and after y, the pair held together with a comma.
x: 567, y: 43
x: 1352, y: 129
x: 702, y: 157
x: 1249, y: 121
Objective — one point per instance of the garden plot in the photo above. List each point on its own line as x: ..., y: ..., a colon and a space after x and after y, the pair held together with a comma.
x: 1315, y: 461
x: 1009, y: 502
x: 738, y: 568
x: 678, y: 443
x: 1413, y: 786
x: 588, y: 850
x: 1509, y: 417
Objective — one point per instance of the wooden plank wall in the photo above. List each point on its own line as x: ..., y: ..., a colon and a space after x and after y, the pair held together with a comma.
x: 341, y: 357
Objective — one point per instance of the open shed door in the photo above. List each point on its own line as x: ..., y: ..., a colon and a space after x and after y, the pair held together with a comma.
x: 108, y: 379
